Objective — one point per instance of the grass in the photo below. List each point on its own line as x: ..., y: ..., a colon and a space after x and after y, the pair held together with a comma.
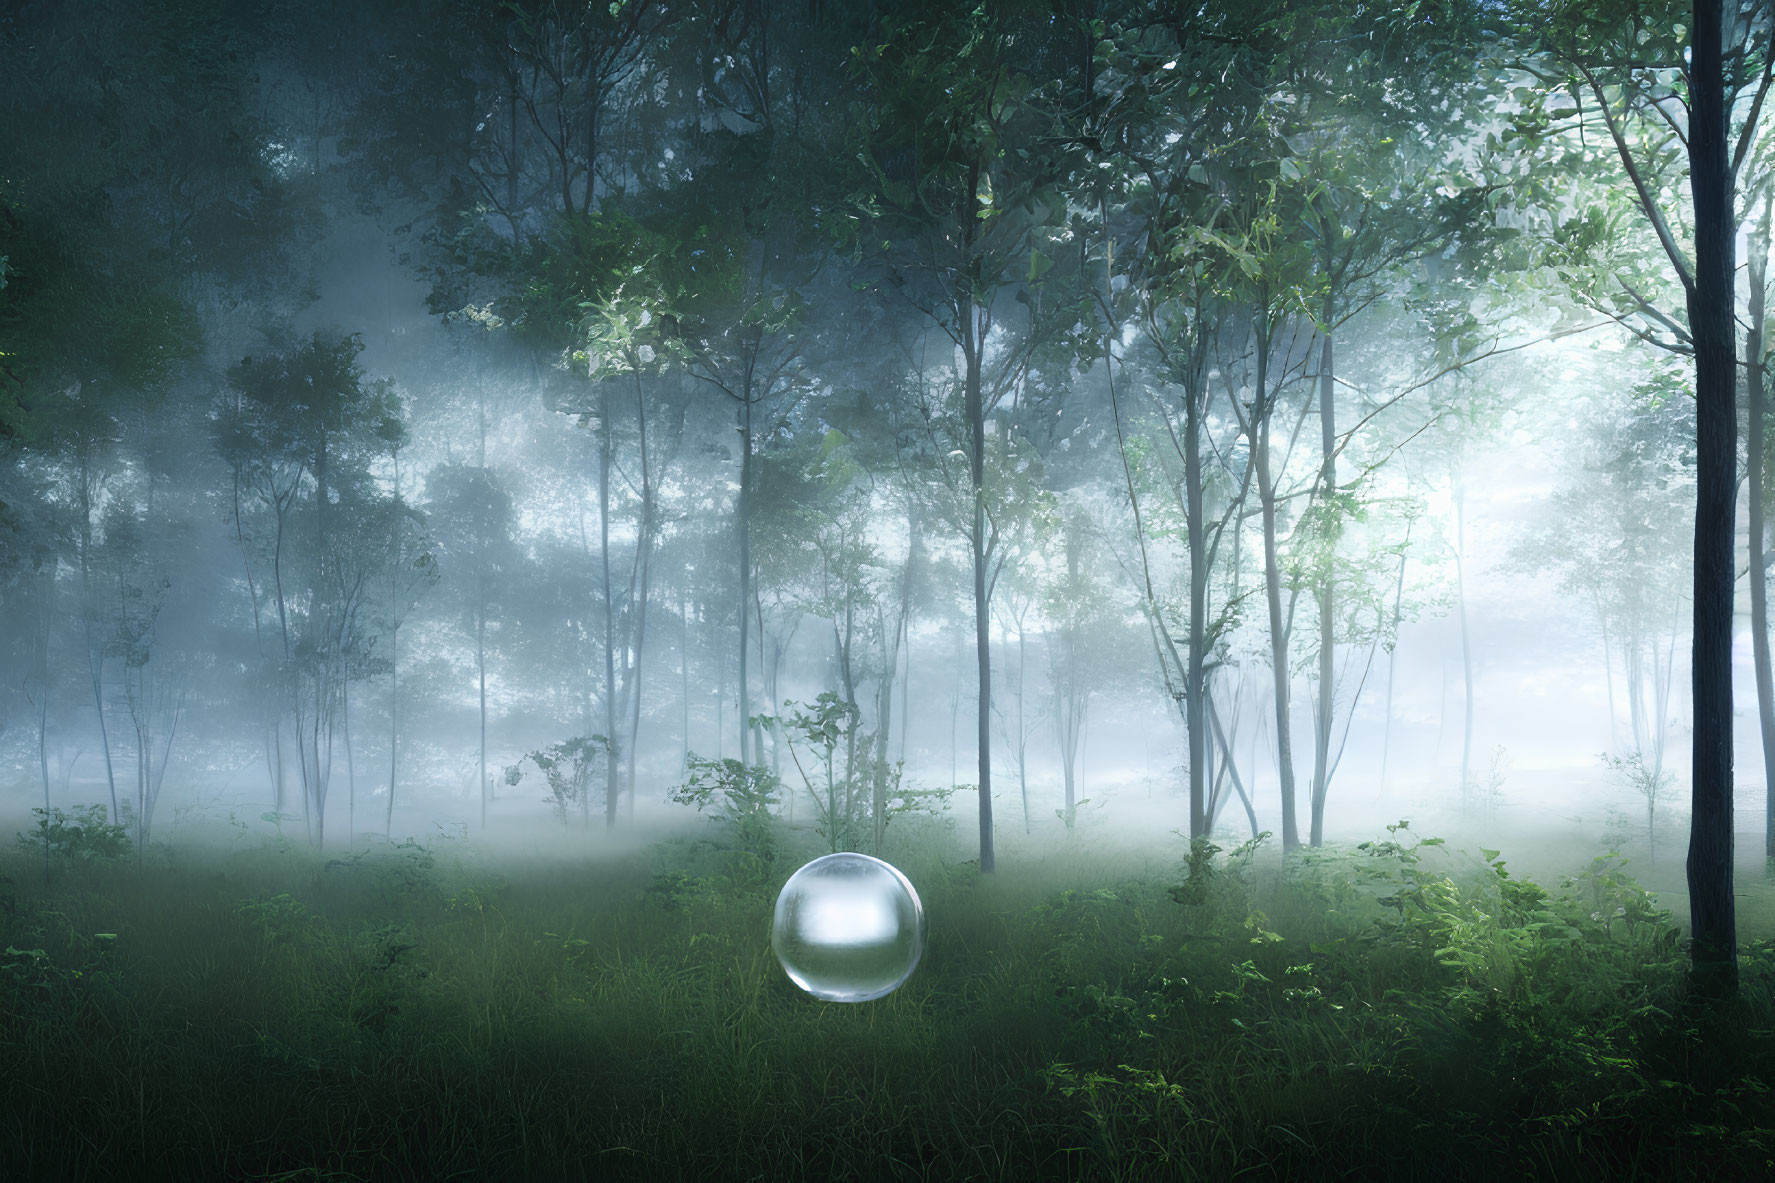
x: 432, y: 1013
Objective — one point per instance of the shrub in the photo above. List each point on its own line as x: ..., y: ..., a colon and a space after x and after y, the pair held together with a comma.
x: 81, y: 835
x: 739, y: 800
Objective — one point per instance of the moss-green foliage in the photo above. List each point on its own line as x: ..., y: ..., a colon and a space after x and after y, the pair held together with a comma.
x: 416, y: 1012
x: 738, y: 800
x: 80, y: 835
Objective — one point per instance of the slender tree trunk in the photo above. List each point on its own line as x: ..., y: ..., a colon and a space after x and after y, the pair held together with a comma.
x: 638, y: 604
x: 320, y: 609
x: 914, y: 541
x: 1755, y: 381
x: 594, y: 111
x: 95, y: 653
x: 394, y: 726
x: 350, y: 766
x: 1712, y: 909
x: 1662, y: 696
x: 743, y: 524
x: 43, y: 762
x: 481, y: 670
x: 632, y: 743
x: 1272, y: 575
x: 976, y: 417
x: 1195, y: 702
x: 847, y: 679
x: 1084, y: 737
x: 273, y: 754
x: 878, y: 757
x: 512, y: 165
x: 166, y: 752
x: 144, y: 768
x: 955, y: 713
x: 95, y: 664
x: 1022, y: 733
x: 1068, y: 750
x: 318, y: 789
x: 974, y: 412
x: 902, y: 643
x: 684, y: 676
x: 40, y: 643
x: 1637, y: 716
x: 1232, y: 769
x: 1393, y: 660
x: 1466, y: 642
x: 612, y: 755
x: 1327, y: 590
x: 292, y: 706
x: 1608, y: 668
x: 1652, y: 827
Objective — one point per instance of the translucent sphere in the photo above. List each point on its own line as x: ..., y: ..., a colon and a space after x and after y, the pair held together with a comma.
x: 848, y: 928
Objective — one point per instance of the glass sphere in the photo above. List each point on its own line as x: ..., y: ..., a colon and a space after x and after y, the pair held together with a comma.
x: 848, y: 928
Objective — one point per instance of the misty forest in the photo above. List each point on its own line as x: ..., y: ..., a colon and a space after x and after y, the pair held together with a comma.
x: 1257, y: 511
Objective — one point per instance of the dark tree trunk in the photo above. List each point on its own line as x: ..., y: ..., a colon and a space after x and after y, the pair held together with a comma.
x: 1713, y: 923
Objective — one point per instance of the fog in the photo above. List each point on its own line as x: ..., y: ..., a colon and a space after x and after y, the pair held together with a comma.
x: 1033, y: 589
x: 565, y: 478
x: 1542, y: 712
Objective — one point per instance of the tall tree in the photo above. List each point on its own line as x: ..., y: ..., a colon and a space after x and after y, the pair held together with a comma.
x: 1635, y: 66
x: 1167, y: 212
x: 960, y: 205
x: 410, y: 573
x: 302, y: 426
x: 471, y: 514
x: 1712, y: 324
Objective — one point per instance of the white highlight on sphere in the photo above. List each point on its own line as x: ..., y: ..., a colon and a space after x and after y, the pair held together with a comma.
x: 848, y: 928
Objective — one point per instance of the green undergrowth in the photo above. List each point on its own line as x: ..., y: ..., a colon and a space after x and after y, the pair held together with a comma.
x: 425, y: 1012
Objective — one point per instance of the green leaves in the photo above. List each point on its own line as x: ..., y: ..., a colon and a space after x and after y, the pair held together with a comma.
x: 739, y: 800
x: 568, y: 767
x: 75, y: 836
x: 825, y: 725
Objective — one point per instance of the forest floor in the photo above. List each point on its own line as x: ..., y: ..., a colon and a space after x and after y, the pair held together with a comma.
x: 430, y: 1012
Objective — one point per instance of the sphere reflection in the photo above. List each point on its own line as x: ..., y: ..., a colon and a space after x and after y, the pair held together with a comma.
x: 848, y: 928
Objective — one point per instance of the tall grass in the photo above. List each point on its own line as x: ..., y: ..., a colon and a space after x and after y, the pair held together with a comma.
x: 425, y: 1012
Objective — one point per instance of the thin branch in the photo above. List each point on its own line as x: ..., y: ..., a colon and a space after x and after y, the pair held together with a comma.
x: 1685, y: 270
